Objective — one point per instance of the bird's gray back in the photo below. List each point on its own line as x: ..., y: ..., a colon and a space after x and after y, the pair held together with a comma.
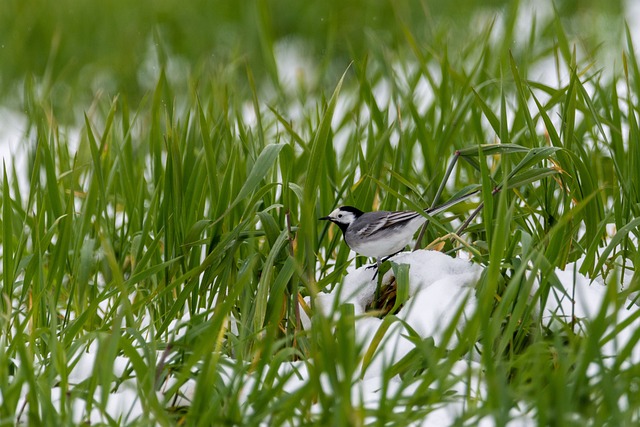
x: 381, y: 221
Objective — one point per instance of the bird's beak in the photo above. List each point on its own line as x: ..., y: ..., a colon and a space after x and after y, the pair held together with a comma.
x: 325, y: 218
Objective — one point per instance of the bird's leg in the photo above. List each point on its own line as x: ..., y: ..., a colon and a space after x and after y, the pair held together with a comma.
x: 379, y: 281
x: 379, y: 262
x: 388, y: 257
x: 376, y: 266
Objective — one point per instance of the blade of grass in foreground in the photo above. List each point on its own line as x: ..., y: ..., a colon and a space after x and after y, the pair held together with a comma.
x: 313, y: 175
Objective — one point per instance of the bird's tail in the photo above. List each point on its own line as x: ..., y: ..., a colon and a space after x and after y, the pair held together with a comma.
x: 443, y: 207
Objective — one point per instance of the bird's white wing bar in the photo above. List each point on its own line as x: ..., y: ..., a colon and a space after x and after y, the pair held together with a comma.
x: 395, y: 218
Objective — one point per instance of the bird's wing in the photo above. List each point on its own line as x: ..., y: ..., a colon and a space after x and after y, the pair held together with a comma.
x: 381, y: 220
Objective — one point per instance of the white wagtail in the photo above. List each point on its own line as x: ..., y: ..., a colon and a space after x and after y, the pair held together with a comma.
x: 382, y: 234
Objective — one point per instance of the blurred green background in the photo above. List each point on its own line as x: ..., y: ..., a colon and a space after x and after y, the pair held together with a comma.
x: 76, y: 48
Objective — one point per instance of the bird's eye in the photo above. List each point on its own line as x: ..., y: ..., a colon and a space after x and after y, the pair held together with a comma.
x: 339, y: 215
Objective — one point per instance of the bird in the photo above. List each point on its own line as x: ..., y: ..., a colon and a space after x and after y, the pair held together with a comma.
x: 382, y: 234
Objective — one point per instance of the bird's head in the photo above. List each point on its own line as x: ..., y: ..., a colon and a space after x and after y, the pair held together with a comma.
x: 343, y: 216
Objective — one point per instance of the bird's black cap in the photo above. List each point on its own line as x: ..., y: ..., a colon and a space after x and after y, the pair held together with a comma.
x: 357, y: 212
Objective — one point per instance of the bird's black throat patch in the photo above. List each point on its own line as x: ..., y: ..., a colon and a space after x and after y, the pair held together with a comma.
x: 342, y: 226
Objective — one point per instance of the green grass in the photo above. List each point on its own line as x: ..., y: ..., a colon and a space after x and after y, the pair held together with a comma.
x: 190, y: 206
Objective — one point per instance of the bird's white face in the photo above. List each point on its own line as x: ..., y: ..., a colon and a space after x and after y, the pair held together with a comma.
x: 340, y: 216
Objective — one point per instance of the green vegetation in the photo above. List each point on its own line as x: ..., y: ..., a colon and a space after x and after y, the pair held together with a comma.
x: 176, y: 238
